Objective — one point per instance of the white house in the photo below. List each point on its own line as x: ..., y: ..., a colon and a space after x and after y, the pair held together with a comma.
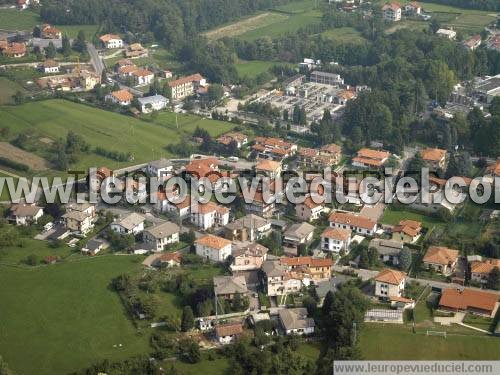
x: 215, y: 248
x: 152, y: 103
x: 355, y: 222
x: 111, y: 41
x: 142, y: 77
x: 49, y: 66
x: 209, y: 215
x: 392, y: 12
x: 295, y: 321
x: 447, y: 33
x: 162, y: 235
x: 390, y: 283
x: 336, y: 240
x: 25, y: 214
x: 132, y: 223
x: 121, y: 97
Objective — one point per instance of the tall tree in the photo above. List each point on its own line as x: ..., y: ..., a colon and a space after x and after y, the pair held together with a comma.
x: 187, y: 322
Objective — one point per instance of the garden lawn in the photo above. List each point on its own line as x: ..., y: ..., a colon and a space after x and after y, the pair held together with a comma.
x: 16, y: 255
x: 72, y: 30
x: 16, y: 20
x: 393, y: 216
x: 7, y: 89
x: 53, y: 119
x: 206, y: 367
x: 255, y: 67
x: 344, y: 34
x: 62, y: 318
x: 392, y: 342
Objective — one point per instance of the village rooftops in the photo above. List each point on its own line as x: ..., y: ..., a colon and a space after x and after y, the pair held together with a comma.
x: 247, y: 221
x: 390, y: 276
x: 331, y: 149
x: 183, y: 80
x: 230, y: 285
x: 122, y: 95
x: 468, y: 299
x: 306, y: 261
x: 408, y: 227
x: 432, y: 154
x: 338, y: 234
x: 386, y: 247
x: 295, y: 318
x: 76, y: 215
x: 209, y: 207
x: 440, y: 255
x: 299, y: 230
x: 130, y: 221
x: 267, y: 165
x: 254, y: 249
x: 163, y: 230
x: 107, y: 37
x: 24, y: 210
x: 485, y: 267
x: 393, y: 6
x: 273, y: 268
x: 352, y: 219
x: 213, y: 242
x: 142, y: 73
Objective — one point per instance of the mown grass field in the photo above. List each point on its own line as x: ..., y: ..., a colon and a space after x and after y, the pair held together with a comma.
x: 16, y: 255
x: 64, y: 317
x: 393, y: 216
x: 146, y: 140
x: 14, y: 19
x: 297, y: 6
x: 72, y: 30
x: 255, y: 67
x: 394, y: 342
x: 7, y: 89
x: 344, y: 34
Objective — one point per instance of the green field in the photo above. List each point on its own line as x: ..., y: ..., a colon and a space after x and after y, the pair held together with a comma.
x: 255, y: 67
x: 146, y: 141
x: 72, y: 30
x: 393, y: 342
x: 393, y: 216
x: 16, y: 255
x: 297, y: 6
x: 344, y: 34
x: 7, y: 89
x: 13, y: 19
x: 65, y: 317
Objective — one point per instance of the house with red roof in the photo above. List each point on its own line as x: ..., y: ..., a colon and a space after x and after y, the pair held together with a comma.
x: 390, y: 283
x: 441, y: 259
x: 392, y: 12
x: 336, y: 240
x: 470, y: 300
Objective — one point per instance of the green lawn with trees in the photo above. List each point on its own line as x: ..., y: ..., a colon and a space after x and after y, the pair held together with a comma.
x: 8, y: 89
x: 66, y: 316
x: 14, y: 19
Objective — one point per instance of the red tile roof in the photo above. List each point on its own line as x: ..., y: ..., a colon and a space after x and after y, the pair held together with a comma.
x: 468, y: 298
x: 440, y: 255
x: 390, y: 276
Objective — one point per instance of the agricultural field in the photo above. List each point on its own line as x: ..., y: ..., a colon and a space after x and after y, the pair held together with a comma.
x: 16, y: 20
x: 405, y: 345
x: 344, y: 34
x: 69, y: 316
x: 297, y: 6
x: 7, y: 89
x: 255, y: 67
x: 46, y: 121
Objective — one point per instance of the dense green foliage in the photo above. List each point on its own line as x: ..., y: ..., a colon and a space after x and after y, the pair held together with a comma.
x: 469, y: 4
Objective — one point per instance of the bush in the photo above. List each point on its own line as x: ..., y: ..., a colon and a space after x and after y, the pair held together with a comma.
x: 13, y: 164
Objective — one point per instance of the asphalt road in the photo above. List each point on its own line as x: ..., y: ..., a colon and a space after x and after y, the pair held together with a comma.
x: 95, y: 59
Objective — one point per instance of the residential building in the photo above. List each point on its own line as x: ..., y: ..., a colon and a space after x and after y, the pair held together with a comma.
x: 152, y: 103
x: 186, y: 86
x: 356, y: 222
x: 168, y: 260
x: 111, y: 41
x: 238, y: 139
x: 268, y: 168
x: 160, y: 169
x: 249, y: 257
x: 261, y: 205
x: 25, y: 214
x: 368, y: 158
x: 273, y: 148
x: 14, y: 49
x: 325, y: 78
x: 122, y: 97
x: 226, y: 287
x: 295, y: 321
x: 392, y: 12
x: 494, y: 169
x: 298, y: 234
x: 390, y: 283
x: 92, y: 247
x: 488, y: 88
x: 49, y: 66
x: 407, y: 231
x: 209, y: 215
x: 470, y: 300
x: 388, y: 250
x: 316, y: 269
x: 434, y: 158
x: 50, y: 32
x: 214, y: 248
x: 309, y: 210
x: 248, y: 228
x: 472, y: 43
x: 278, y: 280
x: 142, y: 77
x: 78, y: 221
x: 494, y: 42
x: 336, y: 240
x: 228, y: 333
x: 441, y: 259
x: 333, y: 150
x: 161, y: 235
x: 447, y: 33
x: 136, y: 50
x: 481, y: 270
x: 413, y: 8
x: 132, y: 223
x: 182, y: 209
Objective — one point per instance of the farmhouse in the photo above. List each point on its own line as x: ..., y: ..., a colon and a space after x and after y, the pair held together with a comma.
x: 470, y: 300
x: 214, y: 248
x: 227, y: 333
x: 389, y: 283
x: 152, y: 103
x: 132, y: 223
x: 249, y: 257
x: 25, y: 214
x: 209, y: 215
x: 441, y: 259
x: 162, y: 235
x: 121, y: 97
x: 336, y: 240
x: 111, y: 41
x: 368, y: 158
x: 49, y: 66
x: 226, y: 287
x: 295, y: 321
x: 434, y: 158
x: 392, y: 12
x: 247, y: 228
x: 353, y: 221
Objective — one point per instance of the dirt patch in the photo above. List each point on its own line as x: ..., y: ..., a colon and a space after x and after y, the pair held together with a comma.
x: 47, y: 141
x: 16, y: 154
x: 243, y: 26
